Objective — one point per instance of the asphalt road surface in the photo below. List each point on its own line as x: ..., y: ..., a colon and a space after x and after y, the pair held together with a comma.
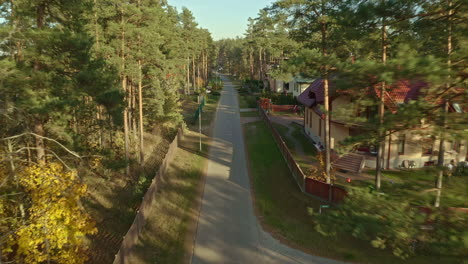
x: 228, y: 231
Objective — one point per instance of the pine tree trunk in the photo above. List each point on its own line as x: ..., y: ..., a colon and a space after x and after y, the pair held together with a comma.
x: 40, y: 145
x: 326, y: 105
x: 251, y: 60
x: 381, y: 133
x: 205, y: 67
x: 260, y: 72
x: 134, y: 116
x: 124, y: 88
x: 39, y: 126
x: 188, y: 75
x: 198, y: 73
x: 194, y: 84
x: 440, y: 158
x: 99, y: 121
x: 140, y: 110
x: 96, y: 25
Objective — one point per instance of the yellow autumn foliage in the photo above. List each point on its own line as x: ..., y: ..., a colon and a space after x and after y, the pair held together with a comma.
x: 56, y: 223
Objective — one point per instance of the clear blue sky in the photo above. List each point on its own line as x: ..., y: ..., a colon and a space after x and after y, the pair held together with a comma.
x: 224, y: 19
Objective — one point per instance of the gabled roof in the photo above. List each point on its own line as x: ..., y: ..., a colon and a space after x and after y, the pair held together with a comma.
x: 301, y: 79
x: 397, y: 93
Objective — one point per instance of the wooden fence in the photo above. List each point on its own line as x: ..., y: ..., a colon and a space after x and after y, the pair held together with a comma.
x: 131, y: 238
x: 322, y: 190
x: 325, y: 191
x: 292, y: 164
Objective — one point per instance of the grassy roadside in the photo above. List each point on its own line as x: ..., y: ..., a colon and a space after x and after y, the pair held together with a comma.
x: 283, y: 209
x: 163, y: 239
x: 168, y: 232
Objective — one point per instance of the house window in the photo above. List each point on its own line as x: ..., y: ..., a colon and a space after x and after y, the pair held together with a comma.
x: 306, y: 120
x: 456, y: 146
x: 401, y: 144
x: 320, y: 127
x: 428, y: 147
x: 310, y: 118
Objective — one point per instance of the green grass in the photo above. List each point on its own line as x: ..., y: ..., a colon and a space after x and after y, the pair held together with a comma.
x: 307, y: 155
x: 163, y: 238
x: 249, y: 114
x: 413, y: 185
x: 284, y: 209
x: 304, y: 140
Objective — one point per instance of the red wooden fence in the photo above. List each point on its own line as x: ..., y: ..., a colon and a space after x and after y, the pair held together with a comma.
x: 322, y: 190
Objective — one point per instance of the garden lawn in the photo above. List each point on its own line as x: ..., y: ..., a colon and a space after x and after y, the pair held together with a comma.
x: 417, y: 187
x: 283, y: 208
x: 299, y: 145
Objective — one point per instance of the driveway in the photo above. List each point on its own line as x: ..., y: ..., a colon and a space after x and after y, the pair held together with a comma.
x: 228, y: 231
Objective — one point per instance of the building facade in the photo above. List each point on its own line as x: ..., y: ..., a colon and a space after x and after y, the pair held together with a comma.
x: 402, y: 149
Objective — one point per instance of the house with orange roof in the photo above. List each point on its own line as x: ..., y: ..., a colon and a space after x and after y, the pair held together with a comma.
x: 402, y: 149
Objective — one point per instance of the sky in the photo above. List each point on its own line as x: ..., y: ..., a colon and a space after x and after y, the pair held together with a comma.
x: 223, y: 18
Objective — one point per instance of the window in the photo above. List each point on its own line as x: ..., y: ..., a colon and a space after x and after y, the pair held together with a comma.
x: 428, y: 146
x: 306, y: 120
x: 320, y: 127
x: 456, y: 146
x: 310, y: 117
x: 401, y: 144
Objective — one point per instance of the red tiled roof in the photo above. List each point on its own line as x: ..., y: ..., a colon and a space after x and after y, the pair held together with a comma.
x: 397, y: 93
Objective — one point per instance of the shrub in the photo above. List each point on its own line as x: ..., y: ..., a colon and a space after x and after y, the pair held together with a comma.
x: 374, y: 218
x: 280, y: 98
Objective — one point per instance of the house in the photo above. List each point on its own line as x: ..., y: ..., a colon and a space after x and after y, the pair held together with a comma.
x: 402, y: 148
x: 298, y: 84
x: 278, y: 86
x: 295, y: 86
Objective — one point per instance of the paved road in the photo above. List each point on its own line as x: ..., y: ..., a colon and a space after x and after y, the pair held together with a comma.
x: 228, y: 231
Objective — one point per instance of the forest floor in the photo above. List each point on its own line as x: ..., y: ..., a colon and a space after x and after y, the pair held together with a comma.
x: 114, y: 197
x: 164, y: 237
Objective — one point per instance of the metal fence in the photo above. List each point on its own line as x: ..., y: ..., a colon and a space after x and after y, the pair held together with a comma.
x: 322, y: 190
x: 131, y: 238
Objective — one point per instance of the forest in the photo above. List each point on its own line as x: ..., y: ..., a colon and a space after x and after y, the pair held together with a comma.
x: 86, y: 89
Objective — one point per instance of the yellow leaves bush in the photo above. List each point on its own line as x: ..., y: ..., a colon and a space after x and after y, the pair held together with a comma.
x: 56, y: 223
